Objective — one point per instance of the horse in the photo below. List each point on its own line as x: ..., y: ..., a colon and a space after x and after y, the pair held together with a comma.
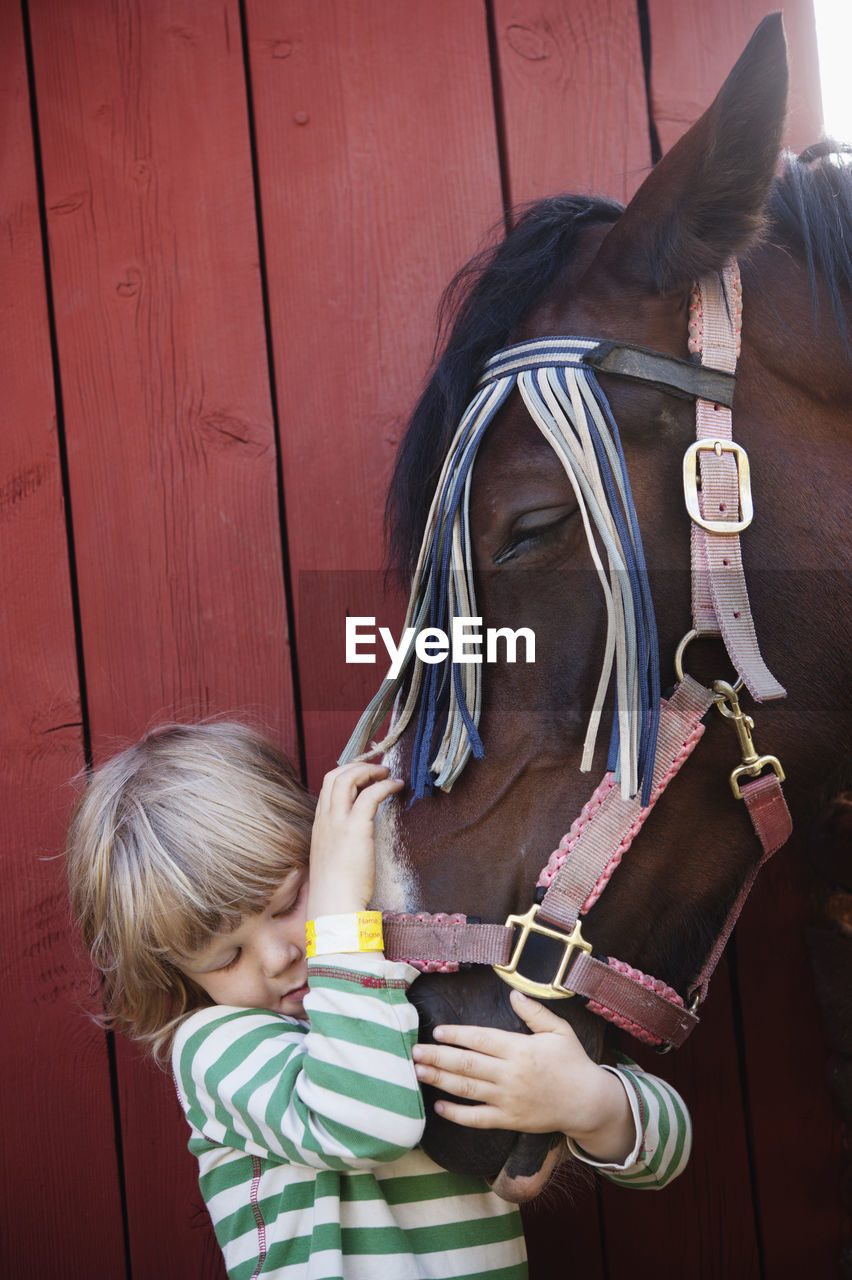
x: 576, y: 265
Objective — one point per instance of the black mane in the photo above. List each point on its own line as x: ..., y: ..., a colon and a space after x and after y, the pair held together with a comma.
x: 810, y: 210
x: 483, y: 308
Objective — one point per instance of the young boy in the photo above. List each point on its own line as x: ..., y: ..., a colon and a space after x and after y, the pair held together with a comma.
x: 294, y: 1056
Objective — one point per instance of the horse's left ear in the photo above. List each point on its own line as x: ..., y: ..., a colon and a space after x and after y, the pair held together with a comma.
x: 704, y: 200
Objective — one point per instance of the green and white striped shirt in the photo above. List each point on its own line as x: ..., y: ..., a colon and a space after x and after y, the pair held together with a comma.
x: 306, y: 1137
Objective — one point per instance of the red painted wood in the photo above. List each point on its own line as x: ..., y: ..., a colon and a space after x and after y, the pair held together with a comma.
x: 170, y: 436
x: 573, y: 96
x: 797, y: 1132
x: 378, y: 176
x: 60, y: 1196
x: 703, y: 1226
x: 691, y: 57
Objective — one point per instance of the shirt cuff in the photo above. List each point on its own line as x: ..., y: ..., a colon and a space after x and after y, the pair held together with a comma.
x: 635, y: 1110
x: 366, y: 964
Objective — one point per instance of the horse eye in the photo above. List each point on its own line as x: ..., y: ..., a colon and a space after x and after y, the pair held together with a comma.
x: 531, y: 531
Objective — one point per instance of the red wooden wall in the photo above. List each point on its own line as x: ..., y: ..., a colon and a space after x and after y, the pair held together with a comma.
x: 225, y: 232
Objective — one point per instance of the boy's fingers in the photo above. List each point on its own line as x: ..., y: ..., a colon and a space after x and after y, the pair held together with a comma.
x: 462, y: 1086
x: 489, y: 1040
x: 342, y: 785
x: 458, y: 1063
x: 358, y: 774
x: 537, y: 1016
x: 370, y: 797
x: 480, y: 1117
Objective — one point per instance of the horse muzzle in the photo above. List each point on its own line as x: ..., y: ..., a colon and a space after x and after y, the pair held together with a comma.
x: 517, y: 1165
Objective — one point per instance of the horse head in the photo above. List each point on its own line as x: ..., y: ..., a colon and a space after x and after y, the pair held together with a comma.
x: 576, y: 266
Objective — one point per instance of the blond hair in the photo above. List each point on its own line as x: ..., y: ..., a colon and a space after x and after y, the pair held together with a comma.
x: 174, y: 840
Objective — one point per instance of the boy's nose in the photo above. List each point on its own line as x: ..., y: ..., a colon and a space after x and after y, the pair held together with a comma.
x: 277, y: 957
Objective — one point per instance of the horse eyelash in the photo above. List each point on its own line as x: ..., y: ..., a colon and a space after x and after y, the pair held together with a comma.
x: 530, y: 536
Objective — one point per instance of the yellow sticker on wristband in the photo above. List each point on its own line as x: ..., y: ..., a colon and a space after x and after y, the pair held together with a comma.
x: 354, y: 931
x: 370, y: 936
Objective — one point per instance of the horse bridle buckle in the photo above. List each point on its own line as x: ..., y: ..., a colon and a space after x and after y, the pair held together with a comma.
x: 690, y: 485
x: 571, y: 942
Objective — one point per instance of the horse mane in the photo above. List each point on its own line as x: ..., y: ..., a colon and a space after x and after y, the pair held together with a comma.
x: 810, y: 210
x: 481, y: 311
x: 484, y: 306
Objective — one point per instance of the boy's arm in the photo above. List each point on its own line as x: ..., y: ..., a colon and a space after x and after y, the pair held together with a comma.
x: 343, y: 1094
x: 340, y: 1096
x: 624, y: 1122
x: 663, y: 1132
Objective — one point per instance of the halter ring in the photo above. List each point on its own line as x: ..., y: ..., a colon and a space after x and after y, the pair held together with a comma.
x: 678, y: 660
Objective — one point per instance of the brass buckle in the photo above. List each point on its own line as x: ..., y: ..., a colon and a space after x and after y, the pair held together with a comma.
x: 573, y: 941
x: 691, y: 482
x: 753, y: 764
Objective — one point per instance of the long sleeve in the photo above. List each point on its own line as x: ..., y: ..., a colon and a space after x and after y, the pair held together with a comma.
x: 340, y: 1094
x: 663, y: 1133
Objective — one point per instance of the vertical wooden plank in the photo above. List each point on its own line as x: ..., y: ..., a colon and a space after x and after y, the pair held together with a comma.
x: 703, y: 1226
x: 797, y: 1139
x: 573, y: 97
x: 379, y: 177
x: 796, y: 1170
x: 171, y: 444
x: 691, y: 55
x: 60, y: 1196
x: 163, y: 357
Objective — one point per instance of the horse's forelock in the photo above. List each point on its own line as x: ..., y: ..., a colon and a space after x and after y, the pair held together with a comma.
x: 482, y: 311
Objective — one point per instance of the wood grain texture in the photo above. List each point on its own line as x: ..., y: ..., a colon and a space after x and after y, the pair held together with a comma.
x: 378, y: 177
x: 171, y: 445
x: 796, y: 1131
x: 163, y: 360
x: 573, y: 97
x: 690, y: 57
x: 57, y: 1114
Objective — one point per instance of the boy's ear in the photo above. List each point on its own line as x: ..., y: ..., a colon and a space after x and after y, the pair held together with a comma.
x: 704, y: 201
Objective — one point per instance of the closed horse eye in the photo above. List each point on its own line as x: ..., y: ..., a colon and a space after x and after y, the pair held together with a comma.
x: 532, y: 530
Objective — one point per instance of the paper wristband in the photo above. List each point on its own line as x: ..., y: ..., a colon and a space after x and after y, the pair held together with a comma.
x: 355, y: 931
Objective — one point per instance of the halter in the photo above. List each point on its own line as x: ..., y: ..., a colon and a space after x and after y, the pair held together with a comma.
x: 650, y: 739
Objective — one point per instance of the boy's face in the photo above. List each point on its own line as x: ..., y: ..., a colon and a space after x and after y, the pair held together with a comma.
x: 261, y: 964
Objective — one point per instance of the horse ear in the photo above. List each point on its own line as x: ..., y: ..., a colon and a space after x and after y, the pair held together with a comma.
x: 704, y: 201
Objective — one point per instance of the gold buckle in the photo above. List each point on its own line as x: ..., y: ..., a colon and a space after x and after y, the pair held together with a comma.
x: 573, y: 941
x: 691, y: 483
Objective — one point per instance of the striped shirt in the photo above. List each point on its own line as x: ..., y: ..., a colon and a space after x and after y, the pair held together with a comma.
x: 306, y: 1137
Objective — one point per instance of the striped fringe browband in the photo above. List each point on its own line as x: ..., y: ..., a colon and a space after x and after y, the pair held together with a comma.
x: 565, y: 401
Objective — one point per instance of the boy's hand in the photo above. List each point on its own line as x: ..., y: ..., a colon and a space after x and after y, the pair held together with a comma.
x: 541, y: 1083
x: 343, y: 858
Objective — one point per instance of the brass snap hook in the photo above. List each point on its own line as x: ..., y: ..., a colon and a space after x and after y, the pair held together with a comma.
x: 753, y: 764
